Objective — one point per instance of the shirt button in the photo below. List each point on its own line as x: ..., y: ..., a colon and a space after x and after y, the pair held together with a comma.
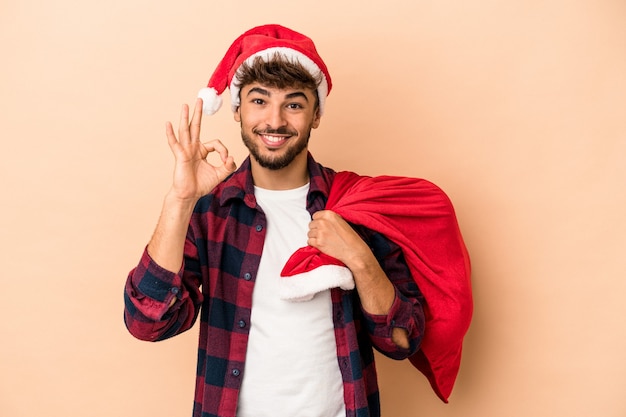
x: 247, y: 276
x: 235, y: 372
x: 259, y: 227
x: 241, y: 324
x: 174, y: 290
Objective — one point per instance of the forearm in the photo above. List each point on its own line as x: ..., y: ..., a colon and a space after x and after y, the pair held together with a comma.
x: 193, y: 178
x: 329, y: 233
x: 166, y: 247
x: 376, y: 293
x: 375, y: 290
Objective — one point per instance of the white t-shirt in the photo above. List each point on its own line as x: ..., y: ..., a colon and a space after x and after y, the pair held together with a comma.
x: 291, y: 363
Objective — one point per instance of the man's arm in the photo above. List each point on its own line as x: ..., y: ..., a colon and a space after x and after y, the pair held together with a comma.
x: 160, y: 299
x: 193, y: 178
x: 332, y: 235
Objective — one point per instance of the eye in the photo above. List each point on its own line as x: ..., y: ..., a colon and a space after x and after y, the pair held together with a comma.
x: 294, y: 106
x: 258, y: 101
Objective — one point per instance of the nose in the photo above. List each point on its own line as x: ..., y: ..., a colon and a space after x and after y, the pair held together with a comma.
x: 275, y: 117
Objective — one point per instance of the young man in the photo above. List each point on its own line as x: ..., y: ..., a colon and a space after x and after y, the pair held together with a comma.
x: 224, y: 236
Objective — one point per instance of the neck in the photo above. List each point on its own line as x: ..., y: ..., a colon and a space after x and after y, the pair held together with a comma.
x: 294, y: 175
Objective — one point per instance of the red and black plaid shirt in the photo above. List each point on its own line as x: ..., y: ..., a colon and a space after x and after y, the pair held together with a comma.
x: 222, y: 254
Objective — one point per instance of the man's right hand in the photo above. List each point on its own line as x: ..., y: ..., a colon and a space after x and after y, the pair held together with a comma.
x: 194, y: 176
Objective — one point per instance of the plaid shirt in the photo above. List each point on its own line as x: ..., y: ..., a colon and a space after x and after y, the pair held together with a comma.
x: 222, y: 253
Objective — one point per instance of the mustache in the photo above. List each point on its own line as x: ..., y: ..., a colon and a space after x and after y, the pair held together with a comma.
x: 279, y: 131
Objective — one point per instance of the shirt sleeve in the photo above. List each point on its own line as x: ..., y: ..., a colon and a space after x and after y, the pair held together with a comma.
x: 149, y: 292
x: 406, y: 311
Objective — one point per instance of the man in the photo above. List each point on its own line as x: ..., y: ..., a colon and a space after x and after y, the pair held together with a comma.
x: 224, y: 236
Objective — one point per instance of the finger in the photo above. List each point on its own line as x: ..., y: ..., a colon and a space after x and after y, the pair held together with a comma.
x: 228, y: 167
x: 171, y: 136
x: 319, y: 214
x: 183, y: 125
x: 196, y: 121
x: 217, y: 146
x: 230, y: 164
x: 228, y: 161
x: 315, y: 242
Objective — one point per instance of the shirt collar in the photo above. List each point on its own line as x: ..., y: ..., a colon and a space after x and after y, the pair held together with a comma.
x: 241, y: 186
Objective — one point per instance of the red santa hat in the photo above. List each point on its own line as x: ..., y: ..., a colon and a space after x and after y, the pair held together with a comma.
x: 263, y: 41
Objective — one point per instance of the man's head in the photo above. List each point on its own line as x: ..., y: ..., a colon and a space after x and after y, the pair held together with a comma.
x: 278, y: 86
x: 278, y: 107
x: 288, y: 53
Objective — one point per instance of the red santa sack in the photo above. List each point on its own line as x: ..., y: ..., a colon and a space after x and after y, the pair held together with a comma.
x: 419, y: 217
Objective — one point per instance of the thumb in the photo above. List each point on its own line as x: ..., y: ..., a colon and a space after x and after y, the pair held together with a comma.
x: 227, y: 168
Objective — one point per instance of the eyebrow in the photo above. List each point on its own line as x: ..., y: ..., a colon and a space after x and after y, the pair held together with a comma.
x: 266, y: 93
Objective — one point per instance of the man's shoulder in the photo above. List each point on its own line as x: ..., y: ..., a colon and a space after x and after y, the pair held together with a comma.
x: 321, y: 177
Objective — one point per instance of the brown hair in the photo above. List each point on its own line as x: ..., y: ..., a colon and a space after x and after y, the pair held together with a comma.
x: 278, y: 72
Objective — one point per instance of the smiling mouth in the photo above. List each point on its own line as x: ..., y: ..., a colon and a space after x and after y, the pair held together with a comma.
x: 275, y: 138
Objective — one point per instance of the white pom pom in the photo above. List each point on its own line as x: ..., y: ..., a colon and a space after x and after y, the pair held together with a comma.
x: 211, y: 102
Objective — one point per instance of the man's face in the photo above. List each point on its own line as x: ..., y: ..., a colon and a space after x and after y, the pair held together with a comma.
x: 276, y: 123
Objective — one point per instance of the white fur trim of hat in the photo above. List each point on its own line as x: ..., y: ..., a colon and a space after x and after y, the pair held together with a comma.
x: 304, y: 286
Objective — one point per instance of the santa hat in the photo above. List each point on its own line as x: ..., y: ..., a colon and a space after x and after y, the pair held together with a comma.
x: 263, y: 41
x: 308, y: 272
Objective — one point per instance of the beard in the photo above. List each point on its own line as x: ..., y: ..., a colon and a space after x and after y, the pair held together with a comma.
x: 277, y: 161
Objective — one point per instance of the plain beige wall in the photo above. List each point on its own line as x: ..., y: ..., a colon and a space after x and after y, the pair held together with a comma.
x: 517, y: 109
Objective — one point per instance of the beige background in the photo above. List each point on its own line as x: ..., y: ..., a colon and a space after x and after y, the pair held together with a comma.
x: 517, y: 109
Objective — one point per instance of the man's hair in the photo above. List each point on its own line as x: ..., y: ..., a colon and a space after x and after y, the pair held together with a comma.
x: 278, y: 72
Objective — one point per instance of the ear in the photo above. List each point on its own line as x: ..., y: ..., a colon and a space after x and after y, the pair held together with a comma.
x: 316, y: 119
x: 237, y: 114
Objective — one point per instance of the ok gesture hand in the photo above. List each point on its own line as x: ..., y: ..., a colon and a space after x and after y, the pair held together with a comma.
x: 194, y: 176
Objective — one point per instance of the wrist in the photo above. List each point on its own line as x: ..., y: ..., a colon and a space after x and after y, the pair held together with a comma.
x: 363, y: 263
x: 175, y: 207
x: 175, y: 200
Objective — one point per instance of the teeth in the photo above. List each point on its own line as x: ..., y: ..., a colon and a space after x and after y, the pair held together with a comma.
x: 273, y: 139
